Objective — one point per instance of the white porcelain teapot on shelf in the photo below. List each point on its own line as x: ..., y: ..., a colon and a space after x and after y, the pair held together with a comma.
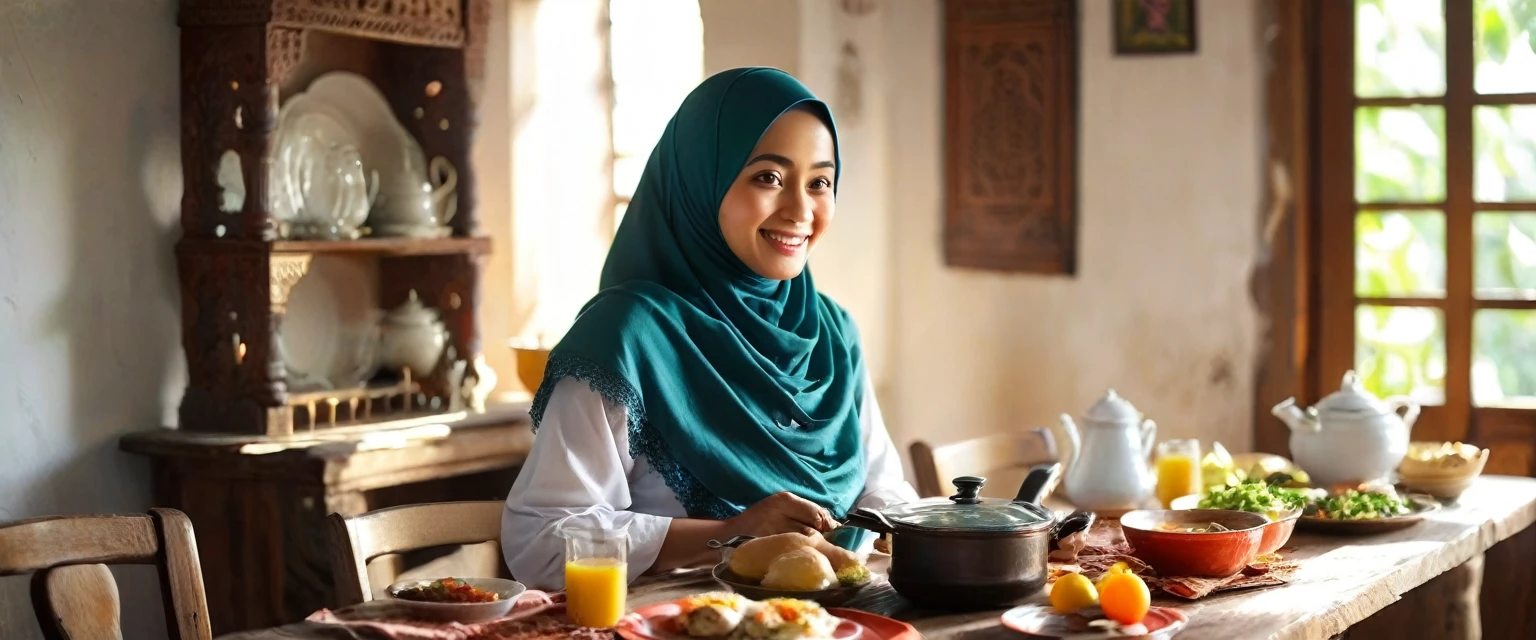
x: 1351, y: 436
x: 1107, y: 468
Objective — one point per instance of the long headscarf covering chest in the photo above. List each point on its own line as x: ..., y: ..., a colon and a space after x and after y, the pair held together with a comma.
x: 737, y: 386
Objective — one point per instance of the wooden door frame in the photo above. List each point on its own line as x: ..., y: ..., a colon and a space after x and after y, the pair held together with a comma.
x: 1284, y: 282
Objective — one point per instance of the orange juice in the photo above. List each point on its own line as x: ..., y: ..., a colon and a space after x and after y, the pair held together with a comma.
x: 595, y: 590
x: 1177, y: 475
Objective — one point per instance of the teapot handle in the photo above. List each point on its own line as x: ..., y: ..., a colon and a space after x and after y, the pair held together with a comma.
x: 1148, y: 436
x: 1395, y: 403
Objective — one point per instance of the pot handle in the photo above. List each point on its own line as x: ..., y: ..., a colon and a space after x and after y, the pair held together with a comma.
x: 867, y: 518
x: 1040, y: 482
x: 1074, y: 522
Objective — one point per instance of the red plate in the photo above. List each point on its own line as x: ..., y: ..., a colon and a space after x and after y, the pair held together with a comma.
x: 645, y: 623
x: 1042, y: 621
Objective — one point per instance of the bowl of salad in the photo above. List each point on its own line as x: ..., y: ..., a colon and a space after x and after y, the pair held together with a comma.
x: 465, y: 600
x: 1283, y: 506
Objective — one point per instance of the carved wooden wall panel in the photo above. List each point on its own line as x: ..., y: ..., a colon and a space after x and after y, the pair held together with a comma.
x: 1011, y: 135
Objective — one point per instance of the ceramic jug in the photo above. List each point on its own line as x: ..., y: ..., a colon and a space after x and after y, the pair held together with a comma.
x: 1107, y: 468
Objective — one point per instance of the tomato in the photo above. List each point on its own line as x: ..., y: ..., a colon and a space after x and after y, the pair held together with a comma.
x: 1124, y: 597
x: 1072, y: 592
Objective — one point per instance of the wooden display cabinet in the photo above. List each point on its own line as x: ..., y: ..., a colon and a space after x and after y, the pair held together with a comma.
x: 239, y: 59
x: 250, y: 464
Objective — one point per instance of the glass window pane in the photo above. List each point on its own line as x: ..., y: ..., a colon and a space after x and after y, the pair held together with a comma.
x: 1400, y: 254
x: 618, y: 214
x: 1401, y: 351
x: 657, y: 57
x: 1399, y: 51
x: 626, y: 175
x: 1506, y: 35
x: 1505, y: 255
x: 1504, y: 358
x: 1400, y: 154
x: 1505, y: 137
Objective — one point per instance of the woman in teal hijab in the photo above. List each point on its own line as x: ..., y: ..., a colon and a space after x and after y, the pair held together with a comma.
x: 709, y: 390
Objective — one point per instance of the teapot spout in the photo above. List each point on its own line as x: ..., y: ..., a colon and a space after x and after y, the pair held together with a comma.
x: 1294, y: 417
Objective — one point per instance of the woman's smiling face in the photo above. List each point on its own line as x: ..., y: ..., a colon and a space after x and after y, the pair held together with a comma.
x: 782, y: 202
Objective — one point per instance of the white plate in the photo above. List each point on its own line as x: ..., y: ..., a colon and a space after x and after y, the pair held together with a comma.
x: 328, y: 338
x: 385, y: 145
x: 462, y: 612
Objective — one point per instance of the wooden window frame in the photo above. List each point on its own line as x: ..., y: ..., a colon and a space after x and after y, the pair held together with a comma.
x: 1304, y: 285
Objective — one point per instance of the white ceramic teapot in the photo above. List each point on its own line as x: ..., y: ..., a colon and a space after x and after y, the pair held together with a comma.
x: 419, y: 206
x: 1350, y: 436
x: 1107, y: 468
x: 412, y: 336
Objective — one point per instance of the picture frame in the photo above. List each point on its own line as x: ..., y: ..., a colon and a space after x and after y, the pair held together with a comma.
x: 1154, y: 26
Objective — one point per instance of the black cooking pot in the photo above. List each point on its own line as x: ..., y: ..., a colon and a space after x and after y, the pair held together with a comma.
x: 970, y: 552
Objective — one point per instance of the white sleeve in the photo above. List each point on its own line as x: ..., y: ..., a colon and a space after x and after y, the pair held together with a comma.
x: 884, y: 482
x: 576, y: 466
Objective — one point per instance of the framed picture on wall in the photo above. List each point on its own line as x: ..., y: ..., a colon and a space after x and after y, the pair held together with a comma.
x: 1154, y: 26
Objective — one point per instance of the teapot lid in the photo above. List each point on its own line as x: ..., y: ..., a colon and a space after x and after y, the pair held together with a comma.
x: 1351, y: 398
x: 412, y: 312
x: 1113, y: 408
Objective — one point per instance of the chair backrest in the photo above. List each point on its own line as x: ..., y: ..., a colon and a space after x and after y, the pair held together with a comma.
x: 74, y: 595
x: 1003, y: 459
x: 357, y: 540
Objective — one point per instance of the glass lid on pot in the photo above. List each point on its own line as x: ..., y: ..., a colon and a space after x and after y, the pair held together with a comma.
x: 967, y: 512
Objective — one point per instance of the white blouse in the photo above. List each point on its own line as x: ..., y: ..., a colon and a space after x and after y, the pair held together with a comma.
x: 580, y: 463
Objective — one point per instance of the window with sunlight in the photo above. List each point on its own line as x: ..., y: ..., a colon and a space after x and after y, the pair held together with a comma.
x: 657, y: 57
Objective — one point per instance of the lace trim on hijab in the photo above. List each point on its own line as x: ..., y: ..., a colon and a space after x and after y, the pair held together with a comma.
x: 643, y: 440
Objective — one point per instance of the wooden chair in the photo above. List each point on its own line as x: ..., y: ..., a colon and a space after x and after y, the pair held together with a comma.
x: 1003, y: 459
x: 73, y: 593
x: 358, y: 540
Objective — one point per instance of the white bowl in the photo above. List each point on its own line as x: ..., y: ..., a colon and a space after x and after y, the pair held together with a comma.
x: 507, y: 591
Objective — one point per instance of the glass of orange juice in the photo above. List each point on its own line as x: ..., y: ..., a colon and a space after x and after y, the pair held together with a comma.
x: 596, y: 573
x: 1178, y: 469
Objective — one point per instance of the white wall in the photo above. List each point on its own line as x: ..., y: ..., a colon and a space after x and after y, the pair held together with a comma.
x: 90, y: 190
x: 1169, y: 177
x: 1169, y: 189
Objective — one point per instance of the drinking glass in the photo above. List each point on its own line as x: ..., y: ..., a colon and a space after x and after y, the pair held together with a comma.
x: 1178, y: 469
x: 596, y: 572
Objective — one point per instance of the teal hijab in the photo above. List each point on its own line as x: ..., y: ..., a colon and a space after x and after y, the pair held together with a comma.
x: 737, y: 386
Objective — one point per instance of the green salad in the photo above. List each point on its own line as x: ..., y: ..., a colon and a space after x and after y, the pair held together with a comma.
x: 1357, y: 505
x: 1255, y: 497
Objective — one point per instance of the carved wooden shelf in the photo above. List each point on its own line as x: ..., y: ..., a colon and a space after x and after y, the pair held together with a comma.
x: 434, y: 23
x: 238, y: 58
x: 387, y: 247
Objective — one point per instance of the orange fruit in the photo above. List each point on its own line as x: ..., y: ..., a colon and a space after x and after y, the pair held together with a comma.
x: 1124, y: 597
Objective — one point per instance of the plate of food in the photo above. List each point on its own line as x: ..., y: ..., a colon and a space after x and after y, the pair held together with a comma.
x: 1044, y: 621
x: 791, y: 565
x: 732, y: 615
x: 1363, y: 511
x: 465, y: 600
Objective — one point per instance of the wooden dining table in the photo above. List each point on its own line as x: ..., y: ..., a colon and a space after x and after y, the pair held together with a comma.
x: 1341, y: 581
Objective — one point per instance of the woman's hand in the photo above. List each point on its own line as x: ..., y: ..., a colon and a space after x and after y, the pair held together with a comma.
x: 686, y: 544
x: 781, y: 513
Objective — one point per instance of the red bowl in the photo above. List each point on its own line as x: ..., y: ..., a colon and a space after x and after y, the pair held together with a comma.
x: 1278, y: 532
x: 1200, y: 555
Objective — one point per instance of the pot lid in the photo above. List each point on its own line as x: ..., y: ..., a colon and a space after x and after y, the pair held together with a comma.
x: 967, y: 512
x: 1351, y: 398
x: 1113, y: 408
x: 412, y: 312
